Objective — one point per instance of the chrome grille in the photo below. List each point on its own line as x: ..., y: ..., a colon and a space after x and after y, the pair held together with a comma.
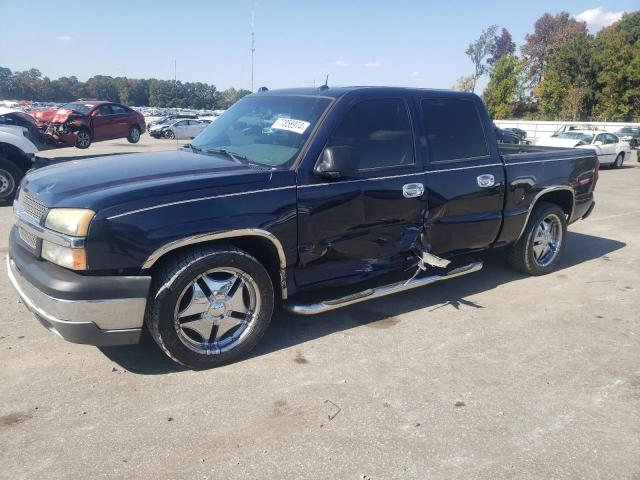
x: 32, y: 206
x: 28, y: 238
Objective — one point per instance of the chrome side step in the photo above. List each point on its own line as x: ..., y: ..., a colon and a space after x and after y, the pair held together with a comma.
x: 327, y: 305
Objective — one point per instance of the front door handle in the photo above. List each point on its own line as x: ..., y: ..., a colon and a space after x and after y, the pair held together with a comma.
x: 412, y: 190
x: 486, y: 180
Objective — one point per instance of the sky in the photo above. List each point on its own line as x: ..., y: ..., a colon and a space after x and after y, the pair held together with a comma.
x: 356, y: 42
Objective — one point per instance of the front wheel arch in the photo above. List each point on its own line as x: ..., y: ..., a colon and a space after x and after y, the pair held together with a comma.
x: 262, y: 245
x: 184, y: 268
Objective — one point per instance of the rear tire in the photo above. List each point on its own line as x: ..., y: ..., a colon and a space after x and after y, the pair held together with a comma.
x: 10, y: 176
x: 540, y: 247
x: 209, y: 306
x: 619, y: 161
x: 83, y: 138
x: 134, y: 134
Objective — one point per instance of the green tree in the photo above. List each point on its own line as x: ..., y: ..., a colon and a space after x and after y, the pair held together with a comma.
x: 230, y: 96
x: 566, y: 90
x: 479, y: 50
x: 616, y: 61
x: 502, y: 45
x: 464, y: 83
x: 550, y: 32
x: 504, y: 91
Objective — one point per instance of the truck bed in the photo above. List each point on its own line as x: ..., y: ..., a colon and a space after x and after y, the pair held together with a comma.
x: 512, y: 153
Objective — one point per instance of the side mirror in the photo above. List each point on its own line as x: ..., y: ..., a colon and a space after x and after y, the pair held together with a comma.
x: 598, y: 142
x: 337, y: 162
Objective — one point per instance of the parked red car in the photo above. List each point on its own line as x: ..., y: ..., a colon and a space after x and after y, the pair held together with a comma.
x: 85, y: 121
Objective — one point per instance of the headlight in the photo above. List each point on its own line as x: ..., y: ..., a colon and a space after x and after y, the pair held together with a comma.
x: 73, y: 258
x: 71, y: 221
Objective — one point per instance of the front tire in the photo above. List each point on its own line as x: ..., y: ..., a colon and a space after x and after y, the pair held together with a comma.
x: 209, y: 306
x: 10, y: 176
x: 170, y: 135
x: 540, y: 247
x: 83, y: 138
x: 134, y: 134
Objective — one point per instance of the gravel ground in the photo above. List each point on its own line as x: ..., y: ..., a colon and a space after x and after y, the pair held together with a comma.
x: 493, y: 375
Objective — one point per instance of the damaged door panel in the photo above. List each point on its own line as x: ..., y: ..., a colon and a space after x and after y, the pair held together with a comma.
x: 368, y: 222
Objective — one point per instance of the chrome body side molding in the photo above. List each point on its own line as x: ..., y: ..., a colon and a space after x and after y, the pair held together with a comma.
x: 540, y: 194
x: 206, y: 237
x: 327, y: 305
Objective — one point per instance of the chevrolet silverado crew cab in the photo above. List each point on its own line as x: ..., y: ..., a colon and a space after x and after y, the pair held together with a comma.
x: 313, y: 198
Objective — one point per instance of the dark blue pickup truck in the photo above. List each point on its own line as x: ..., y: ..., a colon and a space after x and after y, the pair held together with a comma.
x: 313, y: 198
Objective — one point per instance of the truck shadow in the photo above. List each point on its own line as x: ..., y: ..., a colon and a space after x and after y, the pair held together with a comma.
x: 288, y: 330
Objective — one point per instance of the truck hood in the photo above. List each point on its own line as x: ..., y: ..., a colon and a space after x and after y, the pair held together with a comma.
x: 102, y: 182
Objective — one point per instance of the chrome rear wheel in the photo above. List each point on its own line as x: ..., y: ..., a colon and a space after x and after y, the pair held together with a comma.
x: 547, y: 240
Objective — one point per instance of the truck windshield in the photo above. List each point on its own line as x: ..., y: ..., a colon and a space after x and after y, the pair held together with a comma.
x: 266, y: 130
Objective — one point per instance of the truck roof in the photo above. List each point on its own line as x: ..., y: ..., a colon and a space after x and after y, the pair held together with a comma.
x: 336, y: 92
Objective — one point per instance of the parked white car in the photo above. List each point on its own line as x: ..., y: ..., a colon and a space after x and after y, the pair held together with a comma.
x: 17, y: 153
x: 180, y: 129
x: 611, y: 151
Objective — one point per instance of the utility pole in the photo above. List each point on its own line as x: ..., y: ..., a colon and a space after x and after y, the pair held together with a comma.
x: 253, y: 37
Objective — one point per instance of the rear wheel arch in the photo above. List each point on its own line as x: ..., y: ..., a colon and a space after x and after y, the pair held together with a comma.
x: 563, y: 197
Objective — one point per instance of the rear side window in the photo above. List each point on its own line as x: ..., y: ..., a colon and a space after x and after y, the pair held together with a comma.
x: 381, y: 132
x: 117, y: 109
x: 454, y: 130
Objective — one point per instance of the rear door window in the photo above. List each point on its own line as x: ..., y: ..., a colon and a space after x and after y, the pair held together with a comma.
x: 454, y: 130
x: 380, y: 130
x: 117, y: 109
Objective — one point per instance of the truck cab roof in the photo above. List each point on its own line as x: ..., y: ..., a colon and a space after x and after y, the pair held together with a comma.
x: 337, y: 92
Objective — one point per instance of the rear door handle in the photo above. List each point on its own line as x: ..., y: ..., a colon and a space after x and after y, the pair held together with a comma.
x: 412, y: 190
x: 486, y: 180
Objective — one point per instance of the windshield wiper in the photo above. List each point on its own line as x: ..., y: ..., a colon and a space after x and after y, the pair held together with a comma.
x: 236, y: 157
x: 193, y: 149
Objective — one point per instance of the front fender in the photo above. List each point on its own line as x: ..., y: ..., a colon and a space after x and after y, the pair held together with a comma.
x: 137, y: 238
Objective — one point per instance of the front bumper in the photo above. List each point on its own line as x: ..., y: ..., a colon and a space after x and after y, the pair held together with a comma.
x: 80, y: 308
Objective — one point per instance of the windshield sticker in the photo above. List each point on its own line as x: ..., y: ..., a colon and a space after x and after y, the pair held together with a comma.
x: 290, y: 124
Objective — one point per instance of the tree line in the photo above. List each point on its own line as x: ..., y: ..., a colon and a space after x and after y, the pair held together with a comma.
x: 32, y: 85
x: 562, y: 73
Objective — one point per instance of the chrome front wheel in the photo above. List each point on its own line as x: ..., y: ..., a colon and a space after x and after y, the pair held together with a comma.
x: 217, y: 311
x: 209, y: 305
